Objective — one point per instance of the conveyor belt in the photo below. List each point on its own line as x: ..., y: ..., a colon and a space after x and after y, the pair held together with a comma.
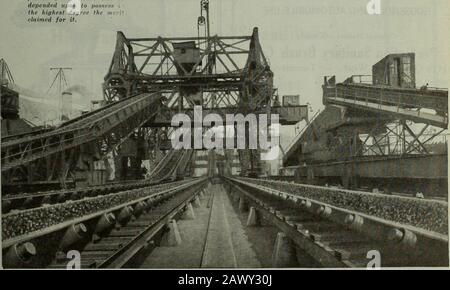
x: 17, y: 151
x: 185, y: 159
x: 338, y: 228
x: 168, y: 167
x: 138, y: 215
x: 405, y: 103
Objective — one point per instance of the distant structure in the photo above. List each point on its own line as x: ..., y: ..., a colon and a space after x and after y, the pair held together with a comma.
x: 11, y: 122
x: 64, y: 97
x: 375, y: 132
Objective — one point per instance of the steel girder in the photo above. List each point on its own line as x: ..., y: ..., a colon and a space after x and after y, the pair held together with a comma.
x: 226, y: 64
x: 288, y: 116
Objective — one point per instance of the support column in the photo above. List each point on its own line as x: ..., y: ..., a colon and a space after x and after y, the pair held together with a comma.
x: 284, y: 253
x: 189, y: 213
x: 172, y: 238
x: 197, y: 202
x: 253, y: 218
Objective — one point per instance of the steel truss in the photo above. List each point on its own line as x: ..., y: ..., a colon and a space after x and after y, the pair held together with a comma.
x: 232, y: 75
x: 74, y: 146
x: 393, y: 138
x: 401, y: 139
x: 227, y: 65
x: 389, y: 121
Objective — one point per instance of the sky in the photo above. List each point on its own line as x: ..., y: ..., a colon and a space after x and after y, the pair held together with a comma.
x: 304, y: 40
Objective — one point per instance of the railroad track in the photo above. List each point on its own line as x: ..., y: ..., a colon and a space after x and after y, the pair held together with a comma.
x: 107, y: 230
x: 24, y: 201
x: 208, y: 226
x: 344, y: 236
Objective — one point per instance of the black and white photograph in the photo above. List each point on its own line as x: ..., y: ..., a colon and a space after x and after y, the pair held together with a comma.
x: 223, y: 135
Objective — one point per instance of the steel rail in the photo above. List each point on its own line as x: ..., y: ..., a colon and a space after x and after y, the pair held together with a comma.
x: 129, y: 250
x: 301, y: 238
x: 389, y: 223
x: 33, y: 200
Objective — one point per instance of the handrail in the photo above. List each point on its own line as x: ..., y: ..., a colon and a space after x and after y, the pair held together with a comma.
x: 395, y: 97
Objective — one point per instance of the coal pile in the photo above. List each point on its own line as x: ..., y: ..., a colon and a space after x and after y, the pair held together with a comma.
x: 24, y: 222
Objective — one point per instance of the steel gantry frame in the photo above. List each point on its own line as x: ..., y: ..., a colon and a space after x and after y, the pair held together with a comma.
x: 145, y: 85
x: 230, y: 71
